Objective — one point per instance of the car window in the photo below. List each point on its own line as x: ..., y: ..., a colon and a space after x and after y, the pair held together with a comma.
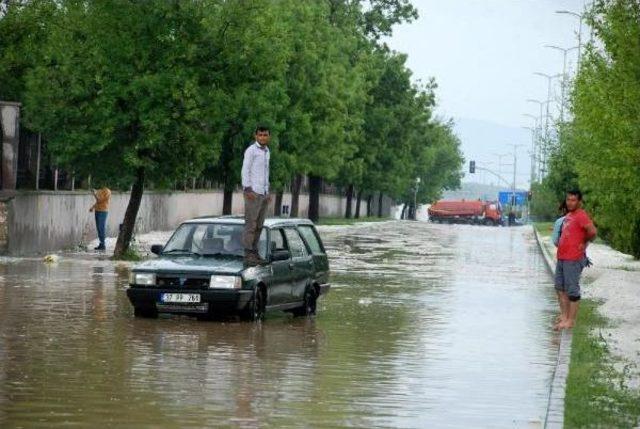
x: 210, y: 239
x: 296, y: 245
x: 277, y: 240
x: 312, y: 239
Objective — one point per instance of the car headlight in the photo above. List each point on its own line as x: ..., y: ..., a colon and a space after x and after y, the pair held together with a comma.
x: 225, y: 282
x: 144, y: 279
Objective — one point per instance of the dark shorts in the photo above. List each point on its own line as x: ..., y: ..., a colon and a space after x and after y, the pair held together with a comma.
x: 567, y: 277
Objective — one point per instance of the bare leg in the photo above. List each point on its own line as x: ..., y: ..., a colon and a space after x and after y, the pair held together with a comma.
x: 573, y: 314
x: 560, y: 305
x: 563, y: 298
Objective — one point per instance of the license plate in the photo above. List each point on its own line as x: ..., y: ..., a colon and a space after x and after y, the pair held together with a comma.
x: 180, y: 297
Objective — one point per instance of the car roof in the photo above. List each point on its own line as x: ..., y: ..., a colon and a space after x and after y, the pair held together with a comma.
x: 239, y: 220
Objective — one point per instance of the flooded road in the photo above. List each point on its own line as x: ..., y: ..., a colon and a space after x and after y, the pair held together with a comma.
x: 425, y: 326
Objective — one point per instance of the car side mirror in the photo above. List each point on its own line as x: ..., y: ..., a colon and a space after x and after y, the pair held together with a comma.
x: 280, y: 255
x: 157, y: 248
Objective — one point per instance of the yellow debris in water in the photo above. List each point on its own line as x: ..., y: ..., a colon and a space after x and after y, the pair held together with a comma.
x: 51, y: 259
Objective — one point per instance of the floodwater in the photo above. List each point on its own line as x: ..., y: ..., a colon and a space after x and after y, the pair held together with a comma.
x: 426, y: 326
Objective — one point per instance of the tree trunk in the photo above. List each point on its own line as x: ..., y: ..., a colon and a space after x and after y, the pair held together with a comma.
x: 277, y: 208
x: 130, y: 215
x: 380, y: 204
x: 315, y: 186
x: 349, y: 202
x: 358, y: 201
x: 369, y: 208
x: 227, y: 201
x: 295, y: 194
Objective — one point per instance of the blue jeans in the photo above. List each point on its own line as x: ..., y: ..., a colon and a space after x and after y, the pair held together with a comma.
x: 101, y: 226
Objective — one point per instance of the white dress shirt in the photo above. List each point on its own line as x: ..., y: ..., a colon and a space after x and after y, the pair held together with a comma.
x: 255, y: 169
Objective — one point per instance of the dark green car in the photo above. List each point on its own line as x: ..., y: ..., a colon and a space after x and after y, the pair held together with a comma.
x: 200, y: 271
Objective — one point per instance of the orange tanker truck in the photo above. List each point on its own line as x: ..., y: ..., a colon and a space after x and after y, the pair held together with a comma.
x: 475, y: 212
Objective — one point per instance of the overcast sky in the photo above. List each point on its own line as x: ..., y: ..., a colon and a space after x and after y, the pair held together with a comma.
x: 483, y: 54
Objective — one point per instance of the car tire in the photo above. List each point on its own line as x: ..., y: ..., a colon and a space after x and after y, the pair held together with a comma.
x: 145, y: 312
x: 256, y: 308
x: 309, y: 305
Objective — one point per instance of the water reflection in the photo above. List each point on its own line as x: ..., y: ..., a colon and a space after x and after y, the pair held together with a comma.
x: 426, y: 326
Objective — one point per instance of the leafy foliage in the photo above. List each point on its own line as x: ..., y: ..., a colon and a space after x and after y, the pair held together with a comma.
x: 599, y: 150
x: 161, y: 91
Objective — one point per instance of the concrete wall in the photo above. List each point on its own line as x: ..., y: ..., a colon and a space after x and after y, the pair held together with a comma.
x: 10, y: 138
x: 39, y: 222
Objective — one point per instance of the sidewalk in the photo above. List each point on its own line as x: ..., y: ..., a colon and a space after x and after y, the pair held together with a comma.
x: 614, y: 282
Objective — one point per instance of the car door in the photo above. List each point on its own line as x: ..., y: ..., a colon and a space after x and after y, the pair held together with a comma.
x: 318, y: 253
x: 302, y: 263
x: 282, y: 271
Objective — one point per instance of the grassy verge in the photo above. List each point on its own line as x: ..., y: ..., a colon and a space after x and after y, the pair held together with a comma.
x: 130, y: 255
x: 544, y: 228
x: 344, y: 221
x: 596, y: 395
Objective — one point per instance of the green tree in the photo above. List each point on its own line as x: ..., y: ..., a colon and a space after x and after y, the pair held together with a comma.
x: 24, y: 28
x: 125, y: 90
x: 253, y: 47
x: 605, y: 102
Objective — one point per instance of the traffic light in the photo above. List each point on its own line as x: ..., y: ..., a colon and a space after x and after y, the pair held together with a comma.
x: 529, y: 195
x: 472, y: 167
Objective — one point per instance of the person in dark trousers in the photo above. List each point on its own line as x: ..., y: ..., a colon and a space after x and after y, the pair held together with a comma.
x: 577, y: 231
x: 101, y: 209
x: 255, y: 185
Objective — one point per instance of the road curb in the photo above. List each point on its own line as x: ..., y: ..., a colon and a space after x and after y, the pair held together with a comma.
x: 554, y: 418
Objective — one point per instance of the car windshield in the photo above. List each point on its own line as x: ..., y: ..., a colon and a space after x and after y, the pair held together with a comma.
x: 211, y: 239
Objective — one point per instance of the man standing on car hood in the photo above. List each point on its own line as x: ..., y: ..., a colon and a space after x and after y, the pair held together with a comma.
x: 255, y: 185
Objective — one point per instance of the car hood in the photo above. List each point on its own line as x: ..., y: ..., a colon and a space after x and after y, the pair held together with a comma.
x: 192, y: 265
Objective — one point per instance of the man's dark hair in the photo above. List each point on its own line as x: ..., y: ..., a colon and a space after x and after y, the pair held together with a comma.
x: 575, y: 192
x: 562, y: 208
x: 262, y: 128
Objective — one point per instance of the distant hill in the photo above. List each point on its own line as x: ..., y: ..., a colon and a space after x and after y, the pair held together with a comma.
x: 482, y: 141
x: 473, y: 191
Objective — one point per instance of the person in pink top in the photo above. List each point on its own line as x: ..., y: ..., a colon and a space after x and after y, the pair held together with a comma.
x: 577, y: 231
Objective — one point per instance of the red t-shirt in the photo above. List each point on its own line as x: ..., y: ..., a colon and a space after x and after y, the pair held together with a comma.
x: 572, y: 240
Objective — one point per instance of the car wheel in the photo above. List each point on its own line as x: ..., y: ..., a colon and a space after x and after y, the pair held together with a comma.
x: 310, y: 301
x: 257, y: 307
x: 147, y: 313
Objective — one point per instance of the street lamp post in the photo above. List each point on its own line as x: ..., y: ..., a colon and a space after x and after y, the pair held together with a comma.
x: 563, y: 83
x: 500, y: 163
x: 513, y: 184
x: 532, y: 153
x: 415, y: 199
x: 580, y: 17
x: 542, y: 137
x: 535, y: 135
x: 546, y: 120
x: 549, y: 78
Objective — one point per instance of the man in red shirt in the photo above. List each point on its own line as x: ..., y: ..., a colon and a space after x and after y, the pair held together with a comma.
x: 577, y: 231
